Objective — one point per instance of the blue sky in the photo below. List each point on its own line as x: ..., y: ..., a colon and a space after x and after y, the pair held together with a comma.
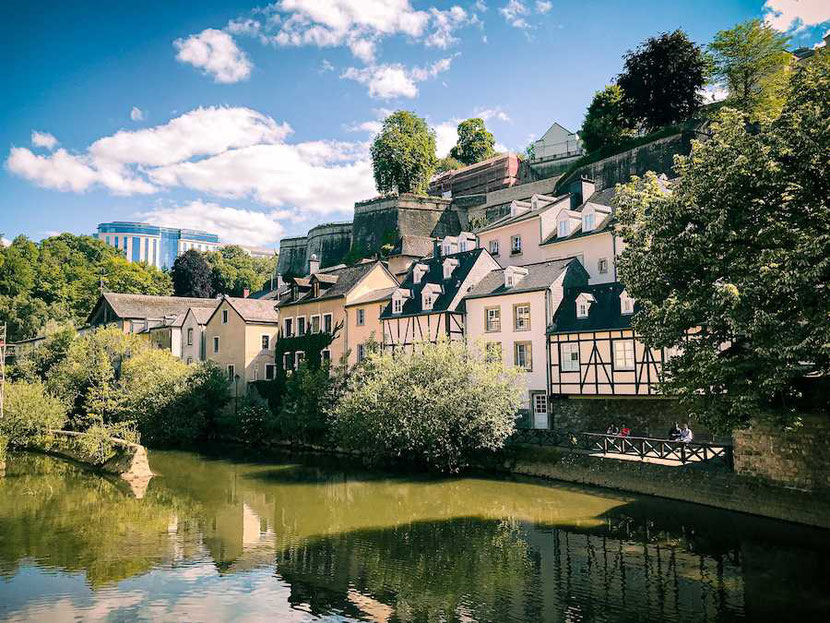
x: 253, y: 120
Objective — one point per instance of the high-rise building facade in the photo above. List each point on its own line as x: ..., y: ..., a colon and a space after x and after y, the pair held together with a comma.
x: 158, y: 246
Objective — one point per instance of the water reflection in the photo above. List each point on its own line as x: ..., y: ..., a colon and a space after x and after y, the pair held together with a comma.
x: 302, y: 539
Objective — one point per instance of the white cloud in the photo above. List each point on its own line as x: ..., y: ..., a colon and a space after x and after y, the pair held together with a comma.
x: 248, y: 27
x: 372, y: 127
x: 492, y: 113
x: 542, y: 6
x: 226, y: 152
x: 326, y: 66
x: 515, y: 13
x: 481, y: 6
x: 446, y: 136
x: 444, y: 24
x: 216, y: 53
x: 136, y: 114
x: 714, y: 93
x: 786, y: 15
x: 44, y: 139
x: 395, y: 80
x: 239, y: 226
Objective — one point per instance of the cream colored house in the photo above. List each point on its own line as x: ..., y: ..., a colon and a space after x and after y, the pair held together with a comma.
x: 547, y: 228
x: 344, y: 300
x: 240, y: 336
x: 193, y: 323
x: 137, y: 313
x: 508, y: 312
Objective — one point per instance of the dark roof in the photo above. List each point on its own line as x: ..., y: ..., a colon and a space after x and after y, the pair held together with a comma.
x: 539, y: 277
x: 510, y: 220
x: 603, y: 315
x: 347, y: 278
x: 413, y: 246
x: 374, y: 296
x: 602, y: 198
x: 435, y: 275
x: 146, y: 306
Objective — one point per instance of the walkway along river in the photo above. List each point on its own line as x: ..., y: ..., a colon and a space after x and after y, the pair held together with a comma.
x: 302, y: 538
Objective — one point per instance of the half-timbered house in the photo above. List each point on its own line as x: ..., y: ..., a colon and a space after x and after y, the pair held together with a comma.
x: 593, y: 349
x: 508, y: 312
x: 428, y: 305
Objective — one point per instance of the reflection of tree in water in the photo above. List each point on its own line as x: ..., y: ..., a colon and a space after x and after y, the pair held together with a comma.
x: 59, y: 515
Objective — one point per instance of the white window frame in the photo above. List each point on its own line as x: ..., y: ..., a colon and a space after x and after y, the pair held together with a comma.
x: 492, y: 324
x: 528, y: 367
x: 288, y: 327
x: 494, y: 247
x: 516, y: 326
x: 360, y: 317
x: 299, y: 357
x: 190, y: 336
x: 287, y: 361
x: 397, y: 305
x: 515, y: 244
x: 328, y: 319
x: 265, y: 341
x: 566, y: 361
x: 624, y: 355
x: 311, y: 323
x: 626, y: 304
x: 589, y: 221
x: 562, y: 228
x: 428, y: 301
x: 272, y: 368
x: 537, y: 402
x: 305, y: 327
x: 216, y: 344
x: 325, y: 355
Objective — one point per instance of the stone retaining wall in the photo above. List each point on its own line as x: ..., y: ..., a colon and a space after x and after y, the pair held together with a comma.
x: 129, y: 461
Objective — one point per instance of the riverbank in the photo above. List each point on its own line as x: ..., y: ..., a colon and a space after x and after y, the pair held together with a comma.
x: 696, y: 483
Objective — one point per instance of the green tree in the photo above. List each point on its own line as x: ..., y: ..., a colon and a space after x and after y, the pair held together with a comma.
x: 192, y: 275
x: 474, y: 143
x: 662, y: 80
x: 403, y: 154
x: 752, y: 62
x: 30, y: 412
x: 438, y: 407
x: 737, y: 256
x: 234, y: 270
x: 605, y: 121
x: 448, y: 163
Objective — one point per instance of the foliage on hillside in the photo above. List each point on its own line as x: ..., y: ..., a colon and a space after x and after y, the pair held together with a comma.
x: 59, y: 278
x: 474, y: 142
x: 739, y: 250
x: 403, y: 154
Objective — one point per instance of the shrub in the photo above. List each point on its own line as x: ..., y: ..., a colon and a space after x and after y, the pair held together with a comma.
x: 304, y: 407
x: 30, y: 412
x: 4, y: 444
x: 438, y: 407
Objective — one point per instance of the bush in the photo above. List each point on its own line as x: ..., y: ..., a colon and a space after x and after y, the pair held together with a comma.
x: 4, y: 444
x: 438, y: 407
x: 30, y: 413
x: 305, y: 405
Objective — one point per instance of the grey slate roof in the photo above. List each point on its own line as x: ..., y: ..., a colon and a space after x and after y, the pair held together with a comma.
x: 146, y: 306
x: 374, y: 296
x: 603, y: 314
x: 254, y: 310
x: 510, y: 220
x: 435, y: 275
x: 539, y: 277
x: 347, y: 278
x: 601, y: 197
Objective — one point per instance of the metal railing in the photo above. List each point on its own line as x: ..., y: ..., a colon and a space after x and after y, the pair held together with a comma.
x: 643, y: 448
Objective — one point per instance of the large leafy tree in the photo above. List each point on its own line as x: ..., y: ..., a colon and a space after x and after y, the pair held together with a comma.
x: 737, y: 255
x: 60, y: 278
x: 606, y: 123
x: 474, y: 143
x: 234, y: 270
x: 403, y: 154
x: 752, y: 62
x: 662, y: 80
x: 192, y: 275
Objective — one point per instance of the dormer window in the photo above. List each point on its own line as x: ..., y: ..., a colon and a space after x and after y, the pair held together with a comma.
x: 397, y: 305
x: 462, y: 246
x: 418, y: 272
x: 583, y: 304
x: 588, y: 221
x: 449, y: 265
x: 626, y: 304
x: 563, y: 228
x: 428, y: 301
x: 508, y: 280
x: 513, y: 275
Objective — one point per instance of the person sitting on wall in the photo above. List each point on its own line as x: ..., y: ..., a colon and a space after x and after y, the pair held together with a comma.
x: 625, y: 431
x: 686, y: 434
x: 612, y: 430
x: 674, y: 433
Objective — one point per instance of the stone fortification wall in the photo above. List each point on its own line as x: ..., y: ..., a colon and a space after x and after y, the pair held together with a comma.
x: 329, y: 242
x: 292, y: 260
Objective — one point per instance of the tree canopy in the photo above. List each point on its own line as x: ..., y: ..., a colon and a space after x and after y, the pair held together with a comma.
x: 59, y: 279
x: 234, y: 270
x: 403, y: 154
x: 474, y: 143
x: 605, y: 121
x: 752, y: 62
x: 192, y: 275
x: 662, y: 80
x: 737, y: 255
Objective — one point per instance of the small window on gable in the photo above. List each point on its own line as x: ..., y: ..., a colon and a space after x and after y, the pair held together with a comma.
x: 224, y: 316
x: 588, y: 221
x: 508, y: 280
x: 583, y: 305
x: 449, y: 266
x: 397, y: 305
x: 418, y: 272
x: 429, y: 301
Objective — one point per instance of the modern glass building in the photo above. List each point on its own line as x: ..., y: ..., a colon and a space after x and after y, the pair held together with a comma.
x: 159, y: 246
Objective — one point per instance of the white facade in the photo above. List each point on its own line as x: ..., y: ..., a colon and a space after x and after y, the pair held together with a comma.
x: 557, y: 142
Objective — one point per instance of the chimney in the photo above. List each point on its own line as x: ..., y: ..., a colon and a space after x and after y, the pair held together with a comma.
x: 246, y: 292
x: 313, y: 264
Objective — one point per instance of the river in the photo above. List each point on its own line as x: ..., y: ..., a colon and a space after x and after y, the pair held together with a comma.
x: 305, y: 538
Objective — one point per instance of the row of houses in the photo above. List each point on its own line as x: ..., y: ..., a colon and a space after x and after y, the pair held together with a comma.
x: 536, y: 288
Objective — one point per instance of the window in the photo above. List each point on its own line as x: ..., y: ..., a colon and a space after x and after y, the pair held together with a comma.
x: 361, y: 352
x: 428, y: 301
x: 224, y: 316
x: 189, y: 360
x: 602, y: 266
x: 515, y: 245
x: 492, y: 352
x: 494, y: 247
x: 216, y: 344
x: 155, y: 251
x: 270, y: 371
x: 569, y: 357
x: 287, y: 361
x: 325, y: 356
x: 623, y: 354
x: 540, y: 404
x: 301, y: 325
x: 190, y: 336
x: 588, y: 221
x: 289, y: 326
x: 108, y: 240
x: 299, y: 357
x: 462, y: 246
x: 266, y: 342
x: 521, y: 317
x: 327, y: 323
x: 522, y: 357
x: 508, y: 280
x: 315, y: 324
x: 397, y: 306
x: 562, y: 229
x: 116, y: 242
x: 492, y: 319
x: 361, y: 317
x: 231, y: 372
x: 626, y: 304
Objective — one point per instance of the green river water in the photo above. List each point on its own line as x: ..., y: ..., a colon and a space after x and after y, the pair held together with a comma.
x: 306, y: 538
